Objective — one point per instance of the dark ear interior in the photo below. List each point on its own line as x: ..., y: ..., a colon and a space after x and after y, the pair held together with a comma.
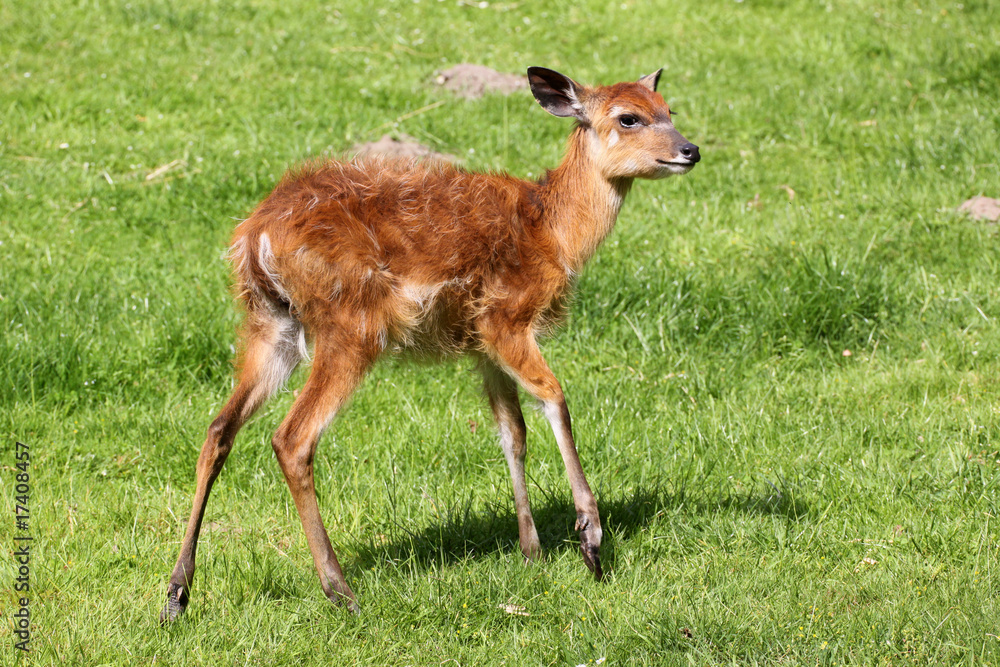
x: 650, y: 80
x: 558, y: 94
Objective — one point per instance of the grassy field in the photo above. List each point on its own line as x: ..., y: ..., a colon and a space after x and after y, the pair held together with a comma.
x: 783, y: 368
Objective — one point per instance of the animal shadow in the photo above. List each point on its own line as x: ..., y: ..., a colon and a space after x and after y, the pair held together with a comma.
x: 464, y: 532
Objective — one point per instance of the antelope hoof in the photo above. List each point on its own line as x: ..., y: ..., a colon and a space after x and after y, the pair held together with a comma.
x: 590, y: 545
x: 532, y: 555
x: 345, y: 600
x: 177, y: 602
x: 591, y: 557
x: 531, y: 548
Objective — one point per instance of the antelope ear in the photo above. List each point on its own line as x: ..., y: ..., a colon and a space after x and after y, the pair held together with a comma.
x: 558, y: 94
x: 650, y: 80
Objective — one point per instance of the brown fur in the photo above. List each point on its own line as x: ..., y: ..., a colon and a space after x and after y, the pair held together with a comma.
x: 419, y: 252
x: 381, y: 254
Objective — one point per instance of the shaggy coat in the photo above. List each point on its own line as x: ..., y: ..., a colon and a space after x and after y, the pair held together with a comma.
x: 377, y: 254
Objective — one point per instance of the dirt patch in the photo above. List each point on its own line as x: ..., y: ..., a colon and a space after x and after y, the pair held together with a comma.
x: 403, y: 147
x: 473, y: 81
x: 982, y: 208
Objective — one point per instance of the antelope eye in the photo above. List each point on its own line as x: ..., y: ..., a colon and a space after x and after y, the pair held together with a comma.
x: 628, y: 120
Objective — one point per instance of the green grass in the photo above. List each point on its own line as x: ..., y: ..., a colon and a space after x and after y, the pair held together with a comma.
x: 783, y: 368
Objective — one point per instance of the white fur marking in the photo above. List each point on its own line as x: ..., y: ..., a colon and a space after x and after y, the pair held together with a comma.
x: 302, y: 345
x: 286, y: 350
x: 612, y: 138
x: 266, y: 258
x: 594, y: 140
x: 422, y: 296
x: 506, y: 438
x: 553, y: 414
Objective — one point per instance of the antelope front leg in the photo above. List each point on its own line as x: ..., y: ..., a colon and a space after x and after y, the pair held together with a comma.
x: 524, y: 361
x: 588, y: 520
x: 502, y: 392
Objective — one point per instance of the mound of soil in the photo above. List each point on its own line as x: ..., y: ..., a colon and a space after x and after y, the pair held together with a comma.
x: 472, y: 81
x: 982, y: 208
x: 405, y: 146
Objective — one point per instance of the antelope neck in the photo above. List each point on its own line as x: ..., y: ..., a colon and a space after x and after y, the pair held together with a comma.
x: 581, y: 204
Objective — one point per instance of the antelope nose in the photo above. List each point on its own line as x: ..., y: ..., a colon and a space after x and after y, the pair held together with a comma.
x: 690, y: 151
